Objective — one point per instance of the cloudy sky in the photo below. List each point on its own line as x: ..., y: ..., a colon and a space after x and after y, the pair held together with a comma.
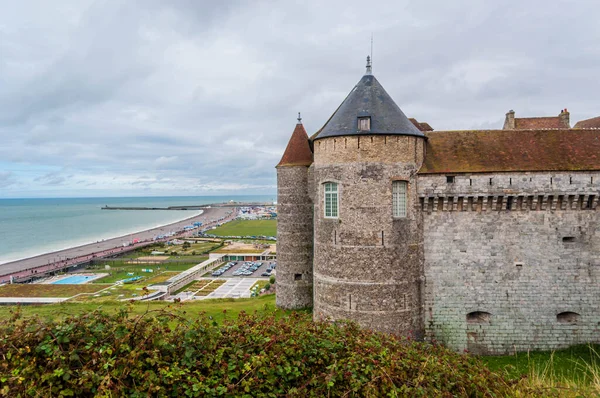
x: 191, y: 97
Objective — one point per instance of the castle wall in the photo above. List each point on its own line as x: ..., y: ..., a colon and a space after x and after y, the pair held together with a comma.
x: 294, y: 238
x: 514, y: 265
x: 367, y: 264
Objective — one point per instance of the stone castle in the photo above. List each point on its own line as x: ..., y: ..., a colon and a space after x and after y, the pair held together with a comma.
x: 485, y: 240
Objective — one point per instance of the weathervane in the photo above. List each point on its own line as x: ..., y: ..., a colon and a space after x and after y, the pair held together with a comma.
x: 370, y: 58
x: 299, y: 118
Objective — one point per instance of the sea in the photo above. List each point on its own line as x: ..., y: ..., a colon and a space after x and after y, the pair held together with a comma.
x: 29, y: 227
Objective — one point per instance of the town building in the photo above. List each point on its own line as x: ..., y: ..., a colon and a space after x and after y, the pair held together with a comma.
x: 486, y: 240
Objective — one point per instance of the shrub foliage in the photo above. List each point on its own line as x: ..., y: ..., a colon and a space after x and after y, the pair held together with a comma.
x: 164, y: 354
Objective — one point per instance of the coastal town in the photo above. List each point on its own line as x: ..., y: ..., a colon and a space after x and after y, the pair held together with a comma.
x: 163, y: 260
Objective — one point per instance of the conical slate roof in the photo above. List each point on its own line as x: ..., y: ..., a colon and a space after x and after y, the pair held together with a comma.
x: 298, y: 151
x: 368, y: 98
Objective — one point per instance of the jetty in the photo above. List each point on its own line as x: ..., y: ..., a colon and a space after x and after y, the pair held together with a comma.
x: 192, y: 207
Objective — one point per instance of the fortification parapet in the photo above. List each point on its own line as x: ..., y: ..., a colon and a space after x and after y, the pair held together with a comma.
x: 514, y: 259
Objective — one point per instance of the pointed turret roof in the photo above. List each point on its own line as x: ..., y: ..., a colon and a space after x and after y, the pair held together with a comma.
x: 298, y: 151
x: 368, y: 99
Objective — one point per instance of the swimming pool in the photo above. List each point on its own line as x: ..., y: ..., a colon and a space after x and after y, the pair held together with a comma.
x: 74, y: 280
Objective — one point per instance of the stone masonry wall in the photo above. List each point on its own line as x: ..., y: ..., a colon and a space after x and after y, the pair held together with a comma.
x: 368, y: 264
x: 513, y: 265
x: 294, y: 239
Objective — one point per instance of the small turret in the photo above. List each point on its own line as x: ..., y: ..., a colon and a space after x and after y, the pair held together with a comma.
x: 295, y: 224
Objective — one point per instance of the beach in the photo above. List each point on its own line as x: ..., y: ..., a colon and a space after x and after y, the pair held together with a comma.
x: 108, y: 247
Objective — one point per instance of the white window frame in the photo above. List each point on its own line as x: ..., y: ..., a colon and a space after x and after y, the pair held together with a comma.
x: 331, y: 191
x: 399, y: 199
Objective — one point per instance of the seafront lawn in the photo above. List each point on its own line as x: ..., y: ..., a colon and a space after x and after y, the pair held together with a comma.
x: 42, y: 290
x: 198, y: 247
x: 121, y: 268
x: 246, y: 228
x: 115, y: 294
x: 229, y: 250
x: 218, y: 309
x: 117, y: 275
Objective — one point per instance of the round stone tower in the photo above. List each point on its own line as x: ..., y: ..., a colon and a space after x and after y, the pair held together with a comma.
x: 295, y: 224
x: 368, y: 254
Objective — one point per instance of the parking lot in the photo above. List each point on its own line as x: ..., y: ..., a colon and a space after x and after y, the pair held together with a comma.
x: 234, y: 288
x: 253, y: 269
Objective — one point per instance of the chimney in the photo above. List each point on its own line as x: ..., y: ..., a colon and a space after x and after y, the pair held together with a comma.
x: 509, y: 122
x: 565, y: 119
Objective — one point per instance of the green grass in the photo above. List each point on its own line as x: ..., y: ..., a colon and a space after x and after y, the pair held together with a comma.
x: 218, y: 309
x: 112, y: 295
x: 200, y: 247
x: 575, y: 365
x: 115, y: 276
x: 259, y: 285
x: 229, y: 250
x: 43, y: 290
x: 161, y: 277
x: 181, y: 266
x: 246, y: 228
x: 120, y: 270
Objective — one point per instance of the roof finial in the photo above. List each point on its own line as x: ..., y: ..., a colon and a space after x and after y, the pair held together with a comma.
x: 368, y: 65
x: 299, y: 118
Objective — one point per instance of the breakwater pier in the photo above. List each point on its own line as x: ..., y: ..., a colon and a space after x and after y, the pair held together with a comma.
x: 191, y: 207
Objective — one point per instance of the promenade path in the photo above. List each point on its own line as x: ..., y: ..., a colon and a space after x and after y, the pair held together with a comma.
x: 109, y: 247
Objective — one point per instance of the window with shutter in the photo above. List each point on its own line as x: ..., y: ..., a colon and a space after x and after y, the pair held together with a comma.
x: 364, y: 123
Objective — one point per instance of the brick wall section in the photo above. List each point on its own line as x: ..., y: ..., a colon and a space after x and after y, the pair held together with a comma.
x: 294, y: 239
x: 509, y: 260
x: 368, y: 265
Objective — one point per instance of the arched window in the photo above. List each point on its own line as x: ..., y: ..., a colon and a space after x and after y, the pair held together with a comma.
x: 331, y: 200
x: 567, y: 317
x: 399, y: 198
x: 479, y: 317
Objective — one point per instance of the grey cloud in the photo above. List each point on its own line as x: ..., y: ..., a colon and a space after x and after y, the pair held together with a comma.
x: 52, y: 178
x: 6, y: 179
x: 188, y: 96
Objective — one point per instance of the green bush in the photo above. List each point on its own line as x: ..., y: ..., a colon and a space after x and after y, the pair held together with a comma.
x: 162, y: 354
x: 268, y: 286
x: 272, y: 279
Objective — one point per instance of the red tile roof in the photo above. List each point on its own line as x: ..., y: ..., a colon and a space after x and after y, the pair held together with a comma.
x: 588, y: 123
x: 423, y: 126
x: 511, y: 150
x: 550, y: 122
x: 298, y: 151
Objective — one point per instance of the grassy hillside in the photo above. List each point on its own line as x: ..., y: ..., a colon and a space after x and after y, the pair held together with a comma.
x: 39, y: 290
x: 164, y: 353
x: 218, y: 309
x: 271, y: 351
